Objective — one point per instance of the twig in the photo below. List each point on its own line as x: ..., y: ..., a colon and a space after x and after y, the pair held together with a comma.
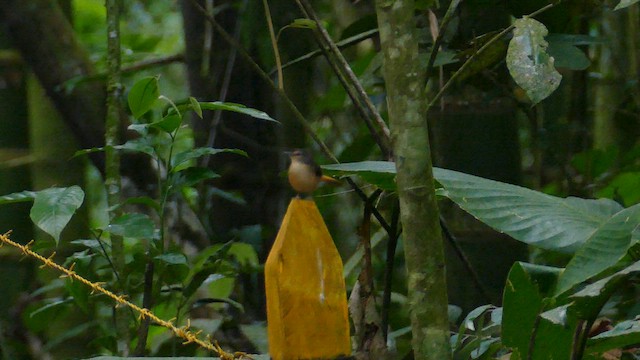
x: 465, y: 260
x: 274, y: 43
x: 436, y: 44
x: 287, y: 101
x: 352, y: 85
x: 394, y: 234
x: 182, y: 332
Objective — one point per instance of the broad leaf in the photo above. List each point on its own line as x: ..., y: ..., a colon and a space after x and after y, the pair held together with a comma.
x: 604, y: 248
x: 143, y: 95
x: 625, y: 3
x: 192, y: 176
x: 239, y: 108
x: 133, y: 225
x: 379, y: 173
x: 589, y: 301
x: 53, y: 208
x: 524, y: 292
x: 549, y: 222
x: 528, y: 62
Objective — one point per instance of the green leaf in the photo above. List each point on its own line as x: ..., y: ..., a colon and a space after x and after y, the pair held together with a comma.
x: 245, y: 254
x: 133, y: 225
x: 18, y: 197
x: 303, y: 23
x: 188, y: 155
x: 379, y: 173
x: 604, y: 248
x: 554, y: 335
x: 239, y: 108
x: 53, y: 208
x: 195, y: 105
x: 535, y: 218
x: 589, y: 301
x: 567, y: 55
x: 523, y: 301
x: 528, y: 62
x: 625, y: 3
x: 169, y: 123
x: 143, y: 95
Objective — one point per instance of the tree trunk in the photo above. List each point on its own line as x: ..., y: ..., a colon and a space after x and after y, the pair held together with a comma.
x: 39, y: 29
x: 424, y: 253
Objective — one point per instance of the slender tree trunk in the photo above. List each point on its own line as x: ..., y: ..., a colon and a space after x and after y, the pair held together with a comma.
x: 112, y: 159
x: 427, y: 288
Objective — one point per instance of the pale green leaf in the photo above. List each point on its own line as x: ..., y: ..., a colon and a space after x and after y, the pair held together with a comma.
x: 53, y: 208
x: 528, y: 62
x: 239, y: 108
x: 625, y: 3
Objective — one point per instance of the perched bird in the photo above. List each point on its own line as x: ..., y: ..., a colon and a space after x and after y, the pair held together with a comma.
x: 304, y: 174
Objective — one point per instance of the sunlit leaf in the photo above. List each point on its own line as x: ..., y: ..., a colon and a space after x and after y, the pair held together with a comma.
x: 195, y: 105
x: 528, y: 62
x: 53, y: 208
x: 143, y: 95
x: 239, y: 108
x: 625, y: 3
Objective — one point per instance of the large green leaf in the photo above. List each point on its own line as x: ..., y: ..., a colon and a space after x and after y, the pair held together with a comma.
x: 527, y: 286
x: 549, y: 222
x: 379, y: 173
x: 53, y: 208
x: 528, y: 62
x: 143, y: 95
x: 604, y: 248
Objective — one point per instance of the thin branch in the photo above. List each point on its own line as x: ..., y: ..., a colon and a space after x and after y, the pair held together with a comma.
x: 436, y: 44
x: 287, y: 101
x: 394, y: 234
x: 352, y: 84
x: 465, y: 260
x: 274, y: 43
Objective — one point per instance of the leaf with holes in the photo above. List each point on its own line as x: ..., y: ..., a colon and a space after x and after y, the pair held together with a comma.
x: 528, y: 61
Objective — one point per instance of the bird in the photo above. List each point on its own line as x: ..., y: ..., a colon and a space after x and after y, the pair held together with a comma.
x: 304, y: 174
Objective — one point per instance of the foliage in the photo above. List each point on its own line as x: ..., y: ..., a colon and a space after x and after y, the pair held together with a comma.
x: 181, y: 281
x: 545, y: 308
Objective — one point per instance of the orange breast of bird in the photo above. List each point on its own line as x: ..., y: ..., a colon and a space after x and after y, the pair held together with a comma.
x: 302, y: 179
